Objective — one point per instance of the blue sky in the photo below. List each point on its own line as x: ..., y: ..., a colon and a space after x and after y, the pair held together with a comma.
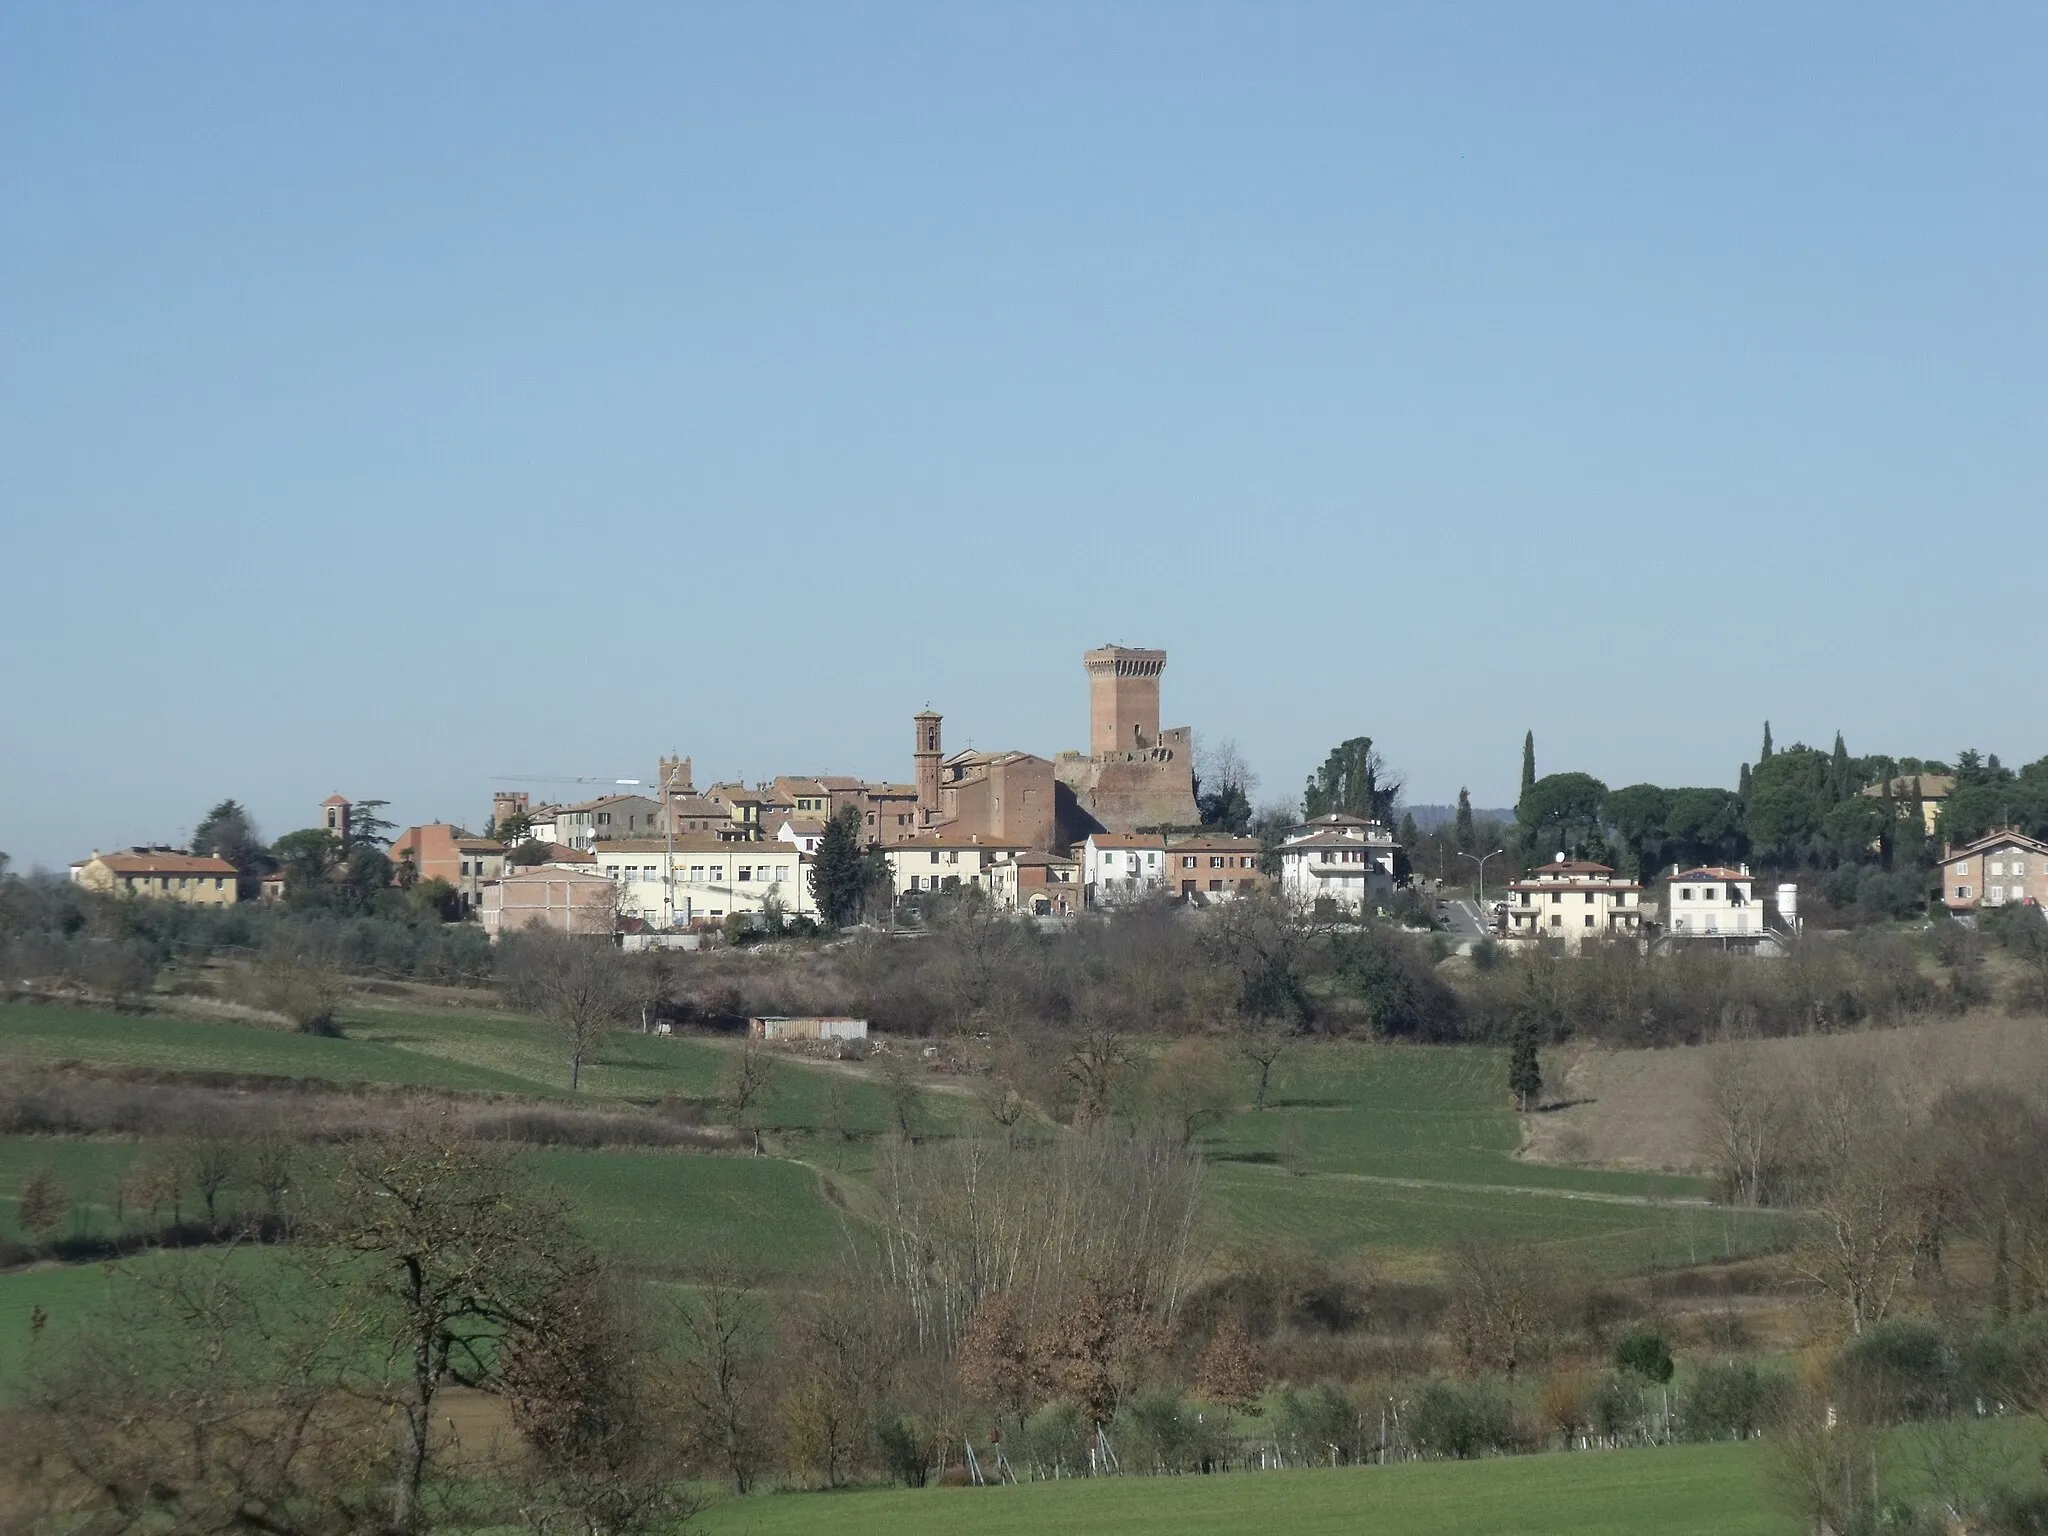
x: 393, y: 397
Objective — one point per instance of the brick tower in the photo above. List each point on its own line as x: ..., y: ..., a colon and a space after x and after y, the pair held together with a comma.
x: 1123, y: 699
x: 925, y: 753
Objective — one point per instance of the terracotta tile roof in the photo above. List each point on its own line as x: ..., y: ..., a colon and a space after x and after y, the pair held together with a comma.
x: 692, y: 842
x: 941, y: 838
x: 1224, y: 842
x: 1331, y: 840
x: 2005, y: 839
x: 1127, y: 840
x: 163, y: 864
x: 1711, y: 872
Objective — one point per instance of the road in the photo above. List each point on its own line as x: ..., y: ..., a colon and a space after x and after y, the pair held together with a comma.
x: 1463, y: 915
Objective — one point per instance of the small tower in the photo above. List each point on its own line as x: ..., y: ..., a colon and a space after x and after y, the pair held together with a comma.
x: 334, y: 814
x: 925, y: 754
x: 507, y: 805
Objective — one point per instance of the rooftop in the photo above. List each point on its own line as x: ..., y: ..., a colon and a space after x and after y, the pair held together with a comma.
x: 162, y: 861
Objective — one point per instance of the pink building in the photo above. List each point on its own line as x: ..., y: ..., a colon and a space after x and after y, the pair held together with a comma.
x: 566, y: 900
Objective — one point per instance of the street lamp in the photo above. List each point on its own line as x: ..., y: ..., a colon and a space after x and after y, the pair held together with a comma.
x: 1480, y: 860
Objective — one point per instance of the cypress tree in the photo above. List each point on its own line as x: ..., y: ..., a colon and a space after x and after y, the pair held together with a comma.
x: 1840, y: 773
x: 1765, y: 755
x: 1525, y: 1071
x: 1529, y: 760
x: 1464, y: 823
x: 839, y: 877
x: 1742, y: 785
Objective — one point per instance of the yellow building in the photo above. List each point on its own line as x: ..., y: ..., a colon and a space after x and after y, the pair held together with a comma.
x: 163, y: 873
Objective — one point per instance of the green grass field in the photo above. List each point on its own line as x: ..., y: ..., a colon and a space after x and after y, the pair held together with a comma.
x: 1401, y: 1149
x: 1710, y: 1490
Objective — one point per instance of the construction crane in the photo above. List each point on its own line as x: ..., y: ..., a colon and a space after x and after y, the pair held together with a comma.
x: 557, y: 778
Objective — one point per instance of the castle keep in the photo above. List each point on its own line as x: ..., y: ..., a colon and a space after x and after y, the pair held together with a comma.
x: 1134, y: 774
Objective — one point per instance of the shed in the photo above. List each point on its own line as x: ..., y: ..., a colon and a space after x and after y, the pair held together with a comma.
x: 783, y: 1027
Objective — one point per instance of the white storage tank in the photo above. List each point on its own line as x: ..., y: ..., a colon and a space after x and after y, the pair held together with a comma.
x: 1788, y: 906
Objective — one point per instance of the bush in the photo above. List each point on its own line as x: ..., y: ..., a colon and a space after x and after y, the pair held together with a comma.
x: 1055, y: 1439
x: 1901, y: 1369
x: 1318, y: 1423
x: 1161, y: 1432
x: 907, y: 1451
x: 1644, y: 1353
x: 1461, y: 1420
x: 1731, y: 1400
x: 2004, y: 1366
x: 1619, y: 1410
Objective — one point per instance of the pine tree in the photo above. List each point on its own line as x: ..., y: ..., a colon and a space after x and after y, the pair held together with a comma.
x: 1525, y: 1069
x: 1466, y: 840
x: 1528, y: 760
x: 1742, y: 785
x: 1765, y: 755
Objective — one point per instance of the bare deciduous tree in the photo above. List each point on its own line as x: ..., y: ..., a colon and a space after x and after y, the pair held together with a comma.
x: 745, y: 1087
x: 1263, y: 1044
x: 443, y: 1252
x: 1747, y: 1121
x: 1503, y: 1304
x: 1191, y: 1087
x: 724, y: 1339
x: 196, y: 1402
x: 575, y: 982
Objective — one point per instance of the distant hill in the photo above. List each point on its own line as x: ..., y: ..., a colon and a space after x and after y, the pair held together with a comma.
x: 1429, y: 817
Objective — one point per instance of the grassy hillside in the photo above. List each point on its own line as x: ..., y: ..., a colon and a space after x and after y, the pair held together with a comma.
x: 1713, y: 1490
x: 1398, y: 1149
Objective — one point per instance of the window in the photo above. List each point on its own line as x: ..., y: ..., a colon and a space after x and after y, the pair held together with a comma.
x: 1589, y: 919
x: 1995, y: 893
x: 1962, y: 893
x: 746, y: 873
x: 1589, y: 898
x: 1556, y: 897
x: 1556, y: 921
x: 1215, y: 885
x: 935, y: 855
x: 1685, y: 893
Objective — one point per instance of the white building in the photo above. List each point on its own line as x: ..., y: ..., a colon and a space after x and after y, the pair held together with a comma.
x: 1346, y: 861
x: 1572, y: 902
x: 1712, y: 902
x: 805, y: 832
x: 944, y: 861
x: 712, y: 878
x: 1121, y: 867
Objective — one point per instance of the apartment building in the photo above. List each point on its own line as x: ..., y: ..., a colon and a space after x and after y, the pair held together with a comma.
x: 1712, y: 902
x: 1212, y: 866
x: 1573, y: 902
x: 1122, y: 867
x: 2001, y: 868
x: 439, y: 850
x: 712, y: 878
x: 1344, y: 862
x: 942, y: 861
x: 167, y: 874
